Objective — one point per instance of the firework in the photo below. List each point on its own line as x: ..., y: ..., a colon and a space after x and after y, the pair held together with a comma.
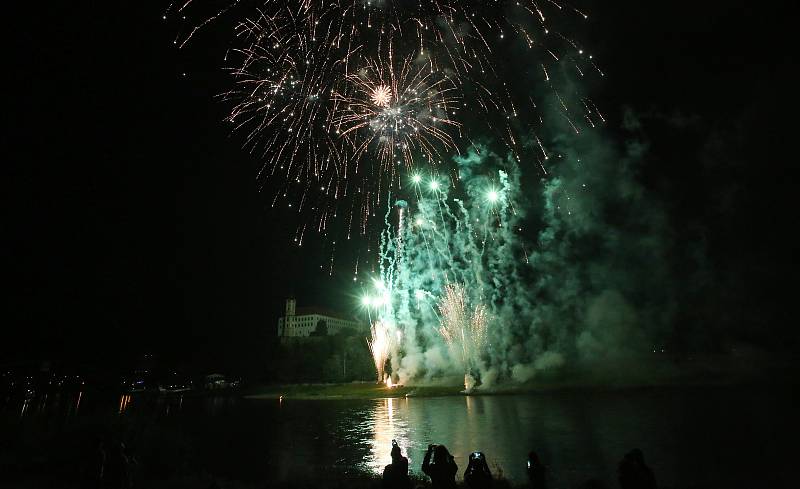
x: 399, y: 114
x: 463, y: 328
x: 381, y: 96
x: 337, y: 116
x: 350, y: 103
x: 379, y: 344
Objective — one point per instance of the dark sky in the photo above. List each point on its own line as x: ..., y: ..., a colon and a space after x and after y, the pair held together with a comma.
x: 131, y: 218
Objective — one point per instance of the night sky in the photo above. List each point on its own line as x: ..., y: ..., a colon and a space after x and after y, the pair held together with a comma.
x: 132, y: 221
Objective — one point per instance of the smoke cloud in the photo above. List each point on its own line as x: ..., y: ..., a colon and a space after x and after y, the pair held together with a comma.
x: 574, y: 268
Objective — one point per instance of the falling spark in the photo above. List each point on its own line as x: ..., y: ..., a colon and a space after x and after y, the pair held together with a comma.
x: 338, y: 97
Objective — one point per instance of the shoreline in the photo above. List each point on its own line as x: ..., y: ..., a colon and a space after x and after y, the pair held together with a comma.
x: 373, y: 391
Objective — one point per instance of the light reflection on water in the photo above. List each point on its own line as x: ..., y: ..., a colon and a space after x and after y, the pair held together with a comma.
x: 124, y: 402
x: 462, y: 424
x: 69, y: 404
x: 578, y: 434
x: 583, y: 439
x: 389, y: 421
x: 66, y: 403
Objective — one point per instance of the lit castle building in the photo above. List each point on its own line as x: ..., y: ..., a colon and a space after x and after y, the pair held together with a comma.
x: 308, y: 321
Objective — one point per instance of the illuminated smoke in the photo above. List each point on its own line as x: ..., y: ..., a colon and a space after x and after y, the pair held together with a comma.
x: 317, y: 90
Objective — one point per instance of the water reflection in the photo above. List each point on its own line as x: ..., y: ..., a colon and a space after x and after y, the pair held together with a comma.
x: 25, y: 405
x: 69, y: 404
x: 59, y: 403
x: 578, y: 435
x: 124, y: 402
x: 170, y: 405
x: 389, y: 421
x: 215, y: 405
x: 504, y: 429
x: 77, y: 404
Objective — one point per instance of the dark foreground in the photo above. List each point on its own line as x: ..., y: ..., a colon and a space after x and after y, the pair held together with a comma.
x: 723, y: 436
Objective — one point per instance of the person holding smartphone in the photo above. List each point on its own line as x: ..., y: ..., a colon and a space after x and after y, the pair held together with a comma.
x: 395, y: 475
x: 440, y: 466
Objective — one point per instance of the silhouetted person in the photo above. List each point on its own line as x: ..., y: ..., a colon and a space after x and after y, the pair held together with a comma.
x: 536, y: 471
x: 478, y: 475
x: 440, y: 467
x: 117, y: 471
x: 634, y: 473
x: 395, y: 475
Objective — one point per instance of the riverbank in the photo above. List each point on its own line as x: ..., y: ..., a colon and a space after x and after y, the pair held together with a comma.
x: 372, y: 390
x: 348, y: 391
x: 369, y: 390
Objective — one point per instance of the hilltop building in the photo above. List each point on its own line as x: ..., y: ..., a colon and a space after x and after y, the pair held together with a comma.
x: 311, y: 321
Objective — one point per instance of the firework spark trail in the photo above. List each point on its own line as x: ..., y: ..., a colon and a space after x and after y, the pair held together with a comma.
x: 319, y: 93
x: 446, y: 240
x: 379, y: 343
x: 401, y: 112
x: 464, y: 329
x: 341, y: 97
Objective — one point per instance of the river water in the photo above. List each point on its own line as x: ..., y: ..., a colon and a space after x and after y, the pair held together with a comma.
x: 705, y: 436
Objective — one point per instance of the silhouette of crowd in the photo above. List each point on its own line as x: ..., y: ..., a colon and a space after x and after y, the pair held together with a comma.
x: 112, y: 469
x: 440, y: 466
